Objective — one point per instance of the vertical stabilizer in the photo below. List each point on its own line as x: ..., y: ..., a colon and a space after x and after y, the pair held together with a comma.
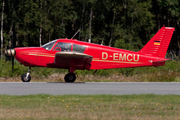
x: 158, y: 45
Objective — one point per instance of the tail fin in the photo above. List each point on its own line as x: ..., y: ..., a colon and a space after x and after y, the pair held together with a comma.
x: 158, y: 45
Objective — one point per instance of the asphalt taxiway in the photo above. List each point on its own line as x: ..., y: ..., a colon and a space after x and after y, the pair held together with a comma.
x: 90, y: 88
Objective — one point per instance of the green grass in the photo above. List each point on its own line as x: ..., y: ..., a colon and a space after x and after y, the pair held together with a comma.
x: 127, y: 107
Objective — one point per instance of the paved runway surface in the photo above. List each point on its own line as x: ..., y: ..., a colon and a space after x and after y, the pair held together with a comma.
x: 119, y: 88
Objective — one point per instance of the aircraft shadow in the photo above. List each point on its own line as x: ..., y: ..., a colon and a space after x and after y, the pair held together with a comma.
x: 68, y: 83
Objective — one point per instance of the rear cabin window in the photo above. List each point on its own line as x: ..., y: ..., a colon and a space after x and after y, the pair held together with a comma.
x: 79, y: 48
x: 60, y: 46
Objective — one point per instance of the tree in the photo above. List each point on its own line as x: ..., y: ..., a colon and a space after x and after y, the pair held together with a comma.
x: 2, y: 19
x: 167, y: 12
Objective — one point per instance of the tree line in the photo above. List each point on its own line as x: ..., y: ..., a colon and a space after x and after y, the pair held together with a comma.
x: 126, y: 24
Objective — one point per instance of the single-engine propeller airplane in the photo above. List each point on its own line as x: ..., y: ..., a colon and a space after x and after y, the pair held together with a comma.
x: 73, y: 54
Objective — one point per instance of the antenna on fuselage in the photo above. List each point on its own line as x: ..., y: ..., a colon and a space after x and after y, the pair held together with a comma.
x: 75, y: 34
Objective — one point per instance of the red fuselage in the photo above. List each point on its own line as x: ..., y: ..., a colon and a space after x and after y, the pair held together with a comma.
x: 104, y: 57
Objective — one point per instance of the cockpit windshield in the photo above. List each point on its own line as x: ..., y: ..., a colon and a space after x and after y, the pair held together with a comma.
x: 49, y: 45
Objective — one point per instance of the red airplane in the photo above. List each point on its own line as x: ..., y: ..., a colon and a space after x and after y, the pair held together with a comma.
x: 73, y: 54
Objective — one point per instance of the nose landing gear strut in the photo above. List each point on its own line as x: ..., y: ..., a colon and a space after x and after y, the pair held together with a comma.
x: 26, y: 77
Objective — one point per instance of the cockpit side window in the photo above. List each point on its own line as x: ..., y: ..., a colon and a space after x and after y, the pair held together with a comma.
x: 60, y: 46
x: 79, y: 48
x: 49, y: 45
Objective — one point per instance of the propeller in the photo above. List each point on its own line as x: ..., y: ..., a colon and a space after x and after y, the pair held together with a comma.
x: 13, y: 60
x: 11, y: 53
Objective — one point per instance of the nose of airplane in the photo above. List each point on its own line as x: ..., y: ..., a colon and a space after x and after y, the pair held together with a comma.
x: 10, y: 52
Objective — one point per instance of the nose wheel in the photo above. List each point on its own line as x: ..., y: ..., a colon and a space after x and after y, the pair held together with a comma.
x: 26, y: 77
x: 70, y: 77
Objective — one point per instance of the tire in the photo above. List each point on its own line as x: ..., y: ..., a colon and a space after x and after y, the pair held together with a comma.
x: 70, y: 77
x: 23, y: 78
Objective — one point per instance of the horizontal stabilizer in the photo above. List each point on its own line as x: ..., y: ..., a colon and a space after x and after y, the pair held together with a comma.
x: 161, y: 60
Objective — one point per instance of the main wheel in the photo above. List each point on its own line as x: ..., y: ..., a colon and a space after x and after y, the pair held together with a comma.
x: 24, y: 79
x: 70, y: 77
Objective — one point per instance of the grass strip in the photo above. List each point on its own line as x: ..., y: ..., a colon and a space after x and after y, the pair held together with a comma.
x: 138, y: 107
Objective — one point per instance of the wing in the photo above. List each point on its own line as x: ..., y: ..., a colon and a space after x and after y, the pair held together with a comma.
x: 73, y: 59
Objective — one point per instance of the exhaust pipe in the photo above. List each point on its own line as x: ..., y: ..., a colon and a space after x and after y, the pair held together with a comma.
x: 10, y: 52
